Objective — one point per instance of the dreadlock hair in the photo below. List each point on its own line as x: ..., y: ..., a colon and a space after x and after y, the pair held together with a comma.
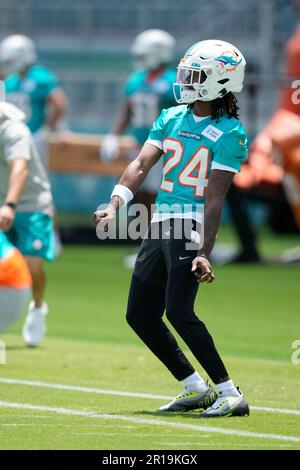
x: 220, y: 106
x: 225, y: 105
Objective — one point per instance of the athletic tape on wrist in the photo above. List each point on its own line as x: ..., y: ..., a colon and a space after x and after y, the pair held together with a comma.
x: 123, y: 192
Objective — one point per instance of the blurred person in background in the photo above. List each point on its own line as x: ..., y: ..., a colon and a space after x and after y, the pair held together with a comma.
x: 35, y: 90
x: 148, y: 90
x: 32, y: 87
x: 26, y: 210
x: 15, y: 283
x: 273, y: 170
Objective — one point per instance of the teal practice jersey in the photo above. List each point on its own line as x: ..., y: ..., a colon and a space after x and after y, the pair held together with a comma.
x: 191, y: 149
x: 30, y: 93
x: 147, y: 96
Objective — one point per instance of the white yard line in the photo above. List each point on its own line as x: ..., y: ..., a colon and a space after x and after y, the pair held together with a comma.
x: 275, y: 410
x: 152, y: 422
x: 100, y: 391
x: 76, y: 388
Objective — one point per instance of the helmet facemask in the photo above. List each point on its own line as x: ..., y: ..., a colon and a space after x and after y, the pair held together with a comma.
x: 192, y: 84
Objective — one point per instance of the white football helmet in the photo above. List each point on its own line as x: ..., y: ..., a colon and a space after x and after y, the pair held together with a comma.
x: 16, y: 53
x: 153, y: 48
x: 209, y: 70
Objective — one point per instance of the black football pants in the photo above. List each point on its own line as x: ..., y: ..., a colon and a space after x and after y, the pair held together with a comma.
x: 163, y: 281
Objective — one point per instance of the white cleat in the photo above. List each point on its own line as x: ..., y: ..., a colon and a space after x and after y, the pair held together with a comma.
x: 227, y: 406
x: 188, y: 400
x: 34, y: 328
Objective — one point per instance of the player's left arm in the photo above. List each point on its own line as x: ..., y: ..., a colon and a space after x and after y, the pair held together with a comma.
x: 216, y: 191
x: 58, y: 106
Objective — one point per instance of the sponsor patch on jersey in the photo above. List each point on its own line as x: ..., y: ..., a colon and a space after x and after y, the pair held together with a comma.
x: 212, y: 133
x: 189, y: 135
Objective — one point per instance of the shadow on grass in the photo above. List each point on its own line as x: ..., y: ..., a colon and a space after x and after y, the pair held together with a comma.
x: 23, y: 347
x: 164, y: 414
x: 16, y: 347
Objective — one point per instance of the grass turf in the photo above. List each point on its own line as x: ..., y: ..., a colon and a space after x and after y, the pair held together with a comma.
x: 252, y: 312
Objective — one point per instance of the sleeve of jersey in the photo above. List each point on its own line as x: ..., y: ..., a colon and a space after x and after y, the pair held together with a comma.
x: 52, y: 84
x: 47, y: 82
x: 231, y: 151
x: 16, y: 142
x: 157, y: 132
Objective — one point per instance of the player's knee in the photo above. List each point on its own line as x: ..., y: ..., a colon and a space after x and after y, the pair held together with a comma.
x: 35, y: 266
x: 177, y: 315
x: 132, y: 317
x: 135, y: 318
x: 173, y: 315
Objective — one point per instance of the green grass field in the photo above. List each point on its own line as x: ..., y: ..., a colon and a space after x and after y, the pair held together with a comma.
x: 252, y: 312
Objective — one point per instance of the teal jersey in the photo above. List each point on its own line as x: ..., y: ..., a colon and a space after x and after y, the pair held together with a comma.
x: 6, y: 248
x: 30, y: 93
x: 191, y: 150
x: 147, y: 97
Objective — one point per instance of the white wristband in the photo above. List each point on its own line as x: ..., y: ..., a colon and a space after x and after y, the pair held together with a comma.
x: 123, y: 192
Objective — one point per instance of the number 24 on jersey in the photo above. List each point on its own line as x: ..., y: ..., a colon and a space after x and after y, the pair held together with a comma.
x: 193, y: 174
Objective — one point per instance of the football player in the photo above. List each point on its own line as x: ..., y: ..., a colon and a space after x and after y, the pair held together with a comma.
x: 26, y: 210
x: 32, y: 88
x: 148, y: 90
x: 202, y: 144
x: 15, y: 283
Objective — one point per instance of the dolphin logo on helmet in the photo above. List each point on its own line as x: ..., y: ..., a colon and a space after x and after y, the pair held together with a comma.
x: 228, y: 60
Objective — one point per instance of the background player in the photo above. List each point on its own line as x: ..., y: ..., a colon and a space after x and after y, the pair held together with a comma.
x: 32, y: 87
x: 26, y: 210
x: 203, y: 144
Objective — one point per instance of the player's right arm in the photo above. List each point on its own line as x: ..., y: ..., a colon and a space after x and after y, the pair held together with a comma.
x: 129, y: 183
x: 135, y: 173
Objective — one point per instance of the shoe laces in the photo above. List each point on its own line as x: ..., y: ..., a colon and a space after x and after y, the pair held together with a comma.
x: 222, y: 399
x: 219, y: 402
x: 184, y: 394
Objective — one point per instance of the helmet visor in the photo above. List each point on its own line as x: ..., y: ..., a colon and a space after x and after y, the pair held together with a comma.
x: 187, y: 76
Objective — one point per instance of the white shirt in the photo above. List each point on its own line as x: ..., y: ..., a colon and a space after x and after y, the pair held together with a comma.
x: 16, y: 142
